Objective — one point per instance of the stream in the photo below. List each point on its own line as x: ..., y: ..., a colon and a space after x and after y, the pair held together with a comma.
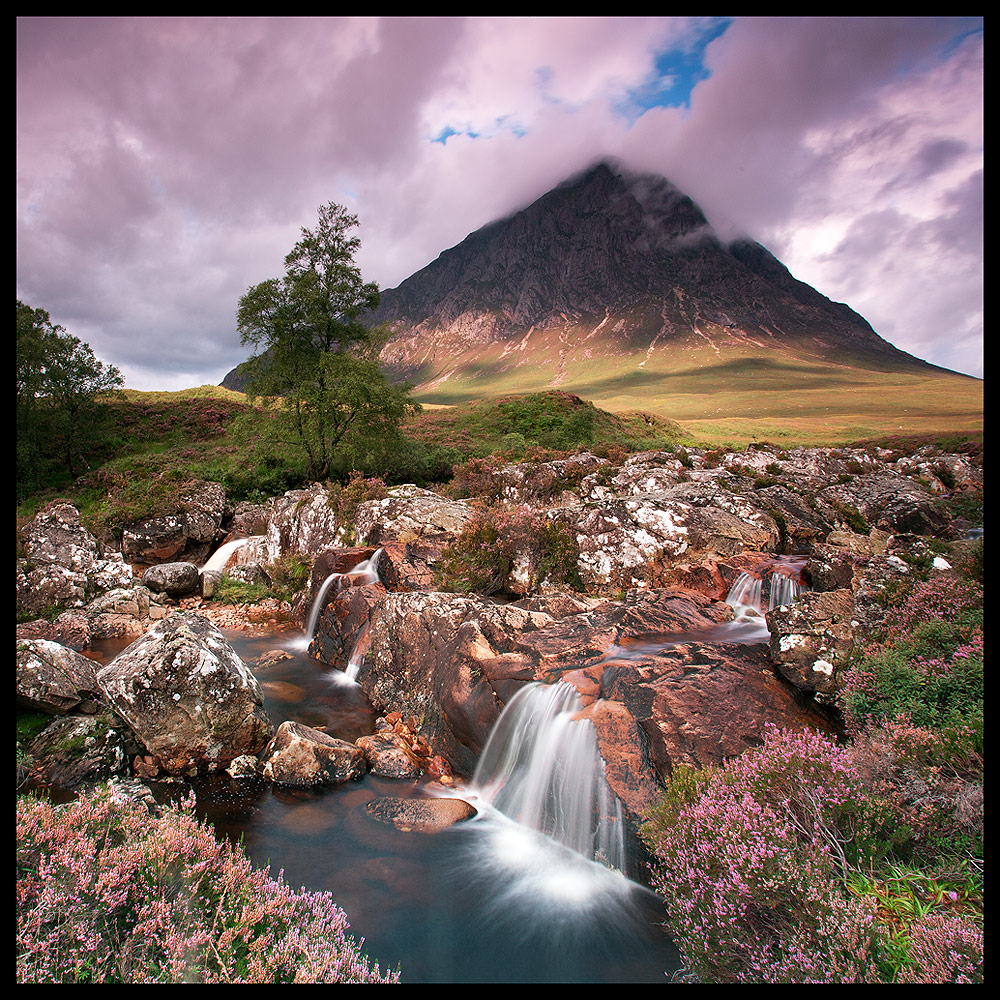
x: 487, y: 900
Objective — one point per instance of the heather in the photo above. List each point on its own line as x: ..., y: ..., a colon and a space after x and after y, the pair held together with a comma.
x: 763, y: 865
x: 500, y: 542
x: 108, y: 893
x: 928, y: 666
x: 810, y: 860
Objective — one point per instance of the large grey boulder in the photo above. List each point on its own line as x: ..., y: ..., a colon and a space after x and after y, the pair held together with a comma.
x: 54, y: 679
x: 175, y: 579
x: 188, y: 697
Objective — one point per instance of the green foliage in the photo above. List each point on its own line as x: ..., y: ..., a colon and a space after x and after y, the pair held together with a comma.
x: 289, y: 575
x: 230, y: 591
x: 495, y: 540
x: 59, y: 381
x: 683, y: 788
x: 317, y: 360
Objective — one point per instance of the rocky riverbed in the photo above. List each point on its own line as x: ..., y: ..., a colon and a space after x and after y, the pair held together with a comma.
x: 658, y: 543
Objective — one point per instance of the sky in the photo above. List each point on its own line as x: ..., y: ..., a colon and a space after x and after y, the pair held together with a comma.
x: 166, y: 165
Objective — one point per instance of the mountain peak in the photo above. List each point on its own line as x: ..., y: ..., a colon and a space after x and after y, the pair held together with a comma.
x: 611, y: 276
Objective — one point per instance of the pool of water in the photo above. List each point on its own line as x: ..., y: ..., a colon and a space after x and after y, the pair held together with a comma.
x: 484, y: 901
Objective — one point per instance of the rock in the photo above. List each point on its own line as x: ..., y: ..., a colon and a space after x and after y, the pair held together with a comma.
x: 389, y: 756
x: 407, y: 512
x: 70, y: 629
x: 302, y: 522
x: 63, y: 564
x: 693, y: 704
x: 304, y: 757
x: 344, y: 621
x: 187, y: 696
x: 812, y: 639
x: 624, y: 542
x: 453, y: 661
x: 175, y: 579
x: 411, y: 565
x: 884, y: 500
x: 79, y: 749
x: 55, y: 679
x: 188, y: 533
x: 421, y: 815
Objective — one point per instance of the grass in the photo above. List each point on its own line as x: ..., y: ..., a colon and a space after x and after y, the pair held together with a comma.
x: 726, y: 395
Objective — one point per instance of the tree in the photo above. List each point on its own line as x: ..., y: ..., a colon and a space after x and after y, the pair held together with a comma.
x: 316, y: 358
x: 59, y: 381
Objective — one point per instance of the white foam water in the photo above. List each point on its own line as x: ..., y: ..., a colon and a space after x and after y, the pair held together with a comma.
x: 542, y: 768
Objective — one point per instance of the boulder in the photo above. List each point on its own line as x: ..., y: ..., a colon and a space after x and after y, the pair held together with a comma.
x: 55, y: 679
x: 62, y: 563
x: 302, y: 522
x: 187, y: 533
x: 408, y: 512
x: 305, y: 757
x: 80, y: 749
x: 175, y: 579
x: 811, y: 640
x: 70, y: 629
x: 188, y: 697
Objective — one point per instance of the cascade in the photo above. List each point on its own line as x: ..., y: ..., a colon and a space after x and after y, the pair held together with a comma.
x: 364, y: 572
x: 541, y: 767
x: 217, y: 561
x: 779, y: 579
x: 357, y: 655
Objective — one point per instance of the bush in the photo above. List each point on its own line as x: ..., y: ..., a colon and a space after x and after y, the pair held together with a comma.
x: 289, y: 575
x: 944, y: 949
x: 929, y: 666
x: 107, y: 893
x: 497, y: 542
x: 752, y: 870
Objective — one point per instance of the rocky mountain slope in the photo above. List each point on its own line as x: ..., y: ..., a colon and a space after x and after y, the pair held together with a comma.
x: 613, y: 275
x: 610, y: 265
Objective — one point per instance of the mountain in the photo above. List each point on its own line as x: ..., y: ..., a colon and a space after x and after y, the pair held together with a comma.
x: 610, y: 273
x: 614, y: 286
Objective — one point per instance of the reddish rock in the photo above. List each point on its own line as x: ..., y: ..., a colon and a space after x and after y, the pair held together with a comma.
x: 389, y: 756
x: 421, y: 815
x: 305, y: 757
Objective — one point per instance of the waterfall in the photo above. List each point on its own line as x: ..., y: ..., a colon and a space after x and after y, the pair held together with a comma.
x: 217, y: 561
x: 364, y: 572
x: 541, y: 767
x: 353, y: 667
x: 779, y: 579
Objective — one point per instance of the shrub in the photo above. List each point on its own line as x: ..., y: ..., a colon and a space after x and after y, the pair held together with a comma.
x: 289, y: 575
x: 498, y: 541
x: 929, y: 666
x: 108, y: 893
x: 944, y: 949
x: 345, y: 499
x: 752, y: 871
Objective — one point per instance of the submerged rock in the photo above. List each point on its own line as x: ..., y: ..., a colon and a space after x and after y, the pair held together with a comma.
x: 420, y: 815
